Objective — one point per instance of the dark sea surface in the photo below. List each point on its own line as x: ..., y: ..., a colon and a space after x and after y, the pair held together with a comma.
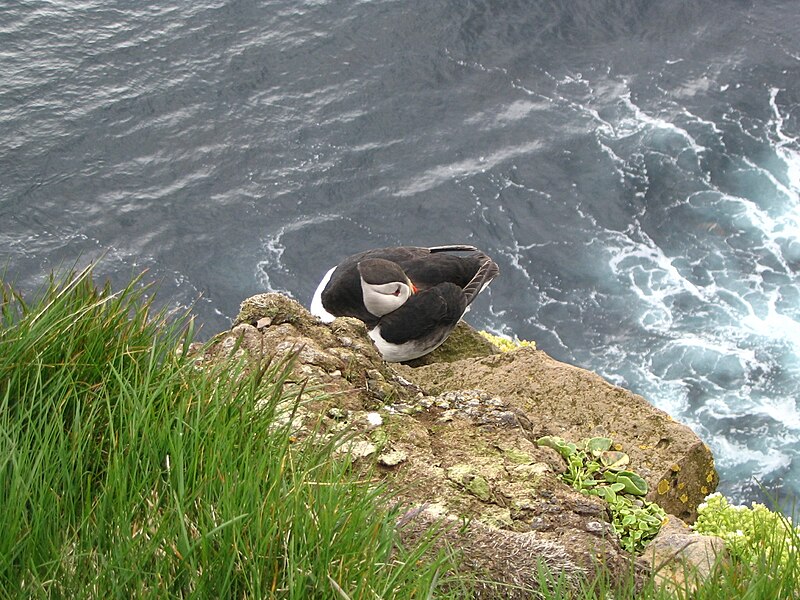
x: 634, y: 168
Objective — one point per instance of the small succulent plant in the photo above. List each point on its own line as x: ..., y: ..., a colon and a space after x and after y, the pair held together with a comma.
x: 595, y: 468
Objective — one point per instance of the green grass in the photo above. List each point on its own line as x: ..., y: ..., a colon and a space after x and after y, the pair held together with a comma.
x: 763, y: 579
x: 126, y: 472
x: 770, y: 570
x: 761, y: 563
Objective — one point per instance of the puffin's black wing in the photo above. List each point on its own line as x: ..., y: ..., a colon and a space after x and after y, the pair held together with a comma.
x: 462, y: 270
x: 424, y: 314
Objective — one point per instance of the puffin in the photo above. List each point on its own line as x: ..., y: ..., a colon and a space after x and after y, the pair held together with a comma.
x: 410, y: 298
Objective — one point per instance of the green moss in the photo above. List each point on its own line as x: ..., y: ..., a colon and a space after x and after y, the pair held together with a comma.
x: 464, y: 342
x: 518, y: 456
x: 467, y: 476
x: 479, y: 487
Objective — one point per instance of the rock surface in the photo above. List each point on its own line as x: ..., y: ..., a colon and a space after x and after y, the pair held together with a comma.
x: 455, y: 432
x: 682, y: 558
x: 562, y: 400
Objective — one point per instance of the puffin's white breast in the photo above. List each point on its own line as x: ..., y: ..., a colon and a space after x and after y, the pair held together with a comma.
x: 407, y: 350
x: 316, y: 302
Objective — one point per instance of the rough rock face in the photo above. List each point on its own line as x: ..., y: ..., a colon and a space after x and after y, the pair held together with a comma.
x: 337, y: 359
x: 458, y: 439
x: 682, y: 558
x: 572, y: 403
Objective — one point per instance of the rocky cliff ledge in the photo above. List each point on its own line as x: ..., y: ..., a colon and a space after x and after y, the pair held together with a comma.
x: 454, y: 434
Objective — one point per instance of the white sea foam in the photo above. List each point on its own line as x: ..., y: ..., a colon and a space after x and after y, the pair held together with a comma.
x: 761, y: 462
x: 513, y: 112
x: 274, y: 249
x: 650, y: 275
x: 726, y: 313
x: 777, y: 121
x: 637, y: 120
x: 782, y: 410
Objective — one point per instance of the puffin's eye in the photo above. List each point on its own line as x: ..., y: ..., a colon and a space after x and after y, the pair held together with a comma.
x: 397, y: 292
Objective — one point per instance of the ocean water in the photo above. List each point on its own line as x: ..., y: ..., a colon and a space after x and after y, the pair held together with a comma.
x: 634, y: 168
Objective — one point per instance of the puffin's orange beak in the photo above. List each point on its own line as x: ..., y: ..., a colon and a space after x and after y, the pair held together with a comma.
x: 414, y: 289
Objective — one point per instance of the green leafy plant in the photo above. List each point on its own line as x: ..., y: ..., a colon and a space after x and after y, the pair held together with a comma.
x: 594, y: 468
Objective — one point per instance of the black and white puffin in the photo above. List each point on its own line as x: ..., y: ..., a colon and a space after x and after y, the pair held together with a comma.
x: 410, y: 298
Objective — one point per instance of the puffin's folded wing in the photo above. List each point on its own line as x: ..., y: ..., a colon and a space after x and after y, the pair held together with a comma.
x: 425, y: 314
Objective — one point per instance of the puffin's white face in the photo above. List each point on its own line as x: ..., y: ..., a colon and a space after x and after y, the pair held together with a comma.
x: 384, y: 286
x: 381, y: 299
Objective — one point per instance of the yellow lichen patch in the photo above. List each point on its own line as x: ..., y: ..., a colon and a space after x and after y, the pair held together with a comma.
x: 710, y: 477
x: 684, y: 498
x: 681, y: 485
x: 704, y: 490
x: 645, y: 446
x: 675, y: 468
x: 505, y: 344
x: 663, y: 486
